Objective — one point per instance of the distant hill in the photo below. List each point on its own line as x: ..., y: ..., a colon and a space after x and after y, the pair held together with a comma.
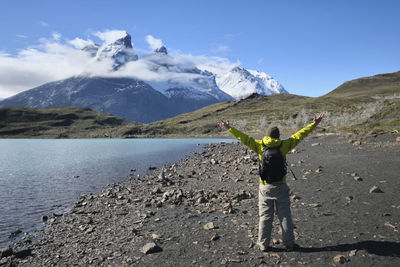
x: 62, y: 122
x: 377, y: 85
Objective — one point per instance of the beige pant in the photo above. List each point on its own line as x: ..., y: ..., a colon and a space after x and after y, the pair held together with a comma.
x: 270, y: 198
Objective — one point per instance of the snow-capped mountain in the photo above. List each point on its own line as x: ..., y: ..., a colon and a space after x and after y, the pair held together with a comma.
x: 172, y: 87
x: 120, y: 51
x: 240, y: 83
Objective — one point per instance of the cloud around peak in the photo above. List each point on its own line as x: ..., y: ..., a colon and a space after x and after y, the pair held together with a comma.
x: 154, y: 43
x: 110, y: 36
x: 57, y: 58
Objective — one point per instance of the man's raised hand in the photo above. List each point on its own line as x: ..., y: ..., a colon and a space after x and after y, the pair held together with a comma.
x: 319, y: 119
x: 223, y: 124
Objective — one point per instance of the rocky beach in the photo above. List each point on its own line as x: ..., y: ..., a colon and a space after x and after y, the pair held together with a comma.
x: 203, y: 211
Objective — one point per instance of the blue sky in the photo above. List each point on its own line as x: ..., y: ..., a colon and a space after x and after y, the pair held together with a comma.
x: 309, y: 46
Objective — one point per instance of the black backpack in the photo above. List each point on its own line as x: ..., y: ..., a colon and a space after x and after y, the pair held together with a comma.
x: 272, y: 165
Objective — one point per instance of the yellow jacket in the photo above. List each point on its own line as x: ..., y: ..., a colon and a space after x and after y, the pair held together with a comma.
x: 257, y: 145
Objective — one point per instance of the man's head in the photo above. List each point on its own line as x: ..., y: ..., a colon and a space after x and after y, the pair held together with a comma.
x: 273, y: 132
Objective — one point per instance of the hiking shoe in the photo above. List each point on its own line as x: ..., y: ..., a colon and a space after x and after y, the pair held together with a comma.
x: 292, y: 248
x: 262, y: 247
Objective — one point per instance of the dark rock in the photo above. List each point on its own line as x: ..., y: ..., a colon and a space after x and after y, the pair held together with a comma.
x: 215, y: 237
x: 23, y: 253
x: 201, y: 200
x: 15, y: 233
x: 375, y: 189
x: 6, y: 252
x: 45, y: 218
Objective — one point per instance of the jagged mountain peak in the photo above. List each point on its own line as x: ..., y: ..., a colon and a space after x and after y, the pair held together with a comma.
x: 161, y: 50
x: 120, y: 51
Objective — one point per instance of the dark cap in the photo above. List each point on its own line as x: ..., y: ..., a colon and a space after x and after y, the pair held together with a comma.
x: 273, y: 132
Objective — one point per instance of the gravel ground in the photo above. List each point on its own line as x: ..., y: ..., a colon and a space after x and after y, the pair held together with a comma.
x: 202, y: 211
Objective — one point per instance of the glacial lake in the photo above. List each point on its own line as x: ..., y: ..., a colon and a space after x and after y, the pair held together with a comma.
x: 44, y: 176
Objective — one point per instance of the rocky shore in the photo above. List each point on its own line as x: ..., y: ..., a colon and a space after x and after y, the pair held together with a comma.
x: 202, y: 211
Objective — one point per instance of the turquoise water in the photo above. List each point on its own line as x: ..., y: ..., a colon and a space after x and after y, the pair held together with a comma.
x: 42, y: 176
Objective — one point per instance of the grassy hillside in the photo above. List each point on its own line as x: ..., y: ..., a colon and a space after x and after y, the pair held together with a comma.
x: 378, y: 85
x: 61, y: 122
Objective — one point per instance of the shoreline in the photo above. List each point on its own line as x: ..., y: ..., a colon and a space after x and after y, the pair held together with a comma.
x: 202, y: 210
x: 28, y: 220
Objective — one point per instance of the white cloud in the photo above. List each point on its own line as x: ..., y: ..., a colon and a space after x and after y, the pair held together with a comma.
x: 80, y: 43
x: 56, y: 59
x: 110, y: 36
x: 21, y: 36
x: 56, y: 36
x: 154, y: 43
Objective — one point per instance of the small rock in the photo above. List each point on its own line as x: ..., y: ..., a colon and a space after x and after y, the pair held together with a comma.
x: 209, y: 226
x: 398, y: 139
x: 375, y: 189
x: 201, y: 200
x: 388, y: 224
x: 295, y: 198
x: 150, y: 248
x: 275, y: 241
x: 315, y: 144
x: 318, y: 170
x: 349, y: 198
x: 353, y: 252
x: 15, y: 233
x: 315, y: 205
x: 133, y: 170
x: 156, y: 190
x: 156, y: 237
x: 44, y: 218
x: 339, y: 259
x: 357, y: 143
x: 357, y: 178
x: 152, y: 168
x: 214, y: 237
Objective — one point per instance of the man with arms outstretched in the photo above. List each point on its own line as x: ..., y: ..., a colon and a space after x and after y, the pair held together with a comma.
x: 273, y: 195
